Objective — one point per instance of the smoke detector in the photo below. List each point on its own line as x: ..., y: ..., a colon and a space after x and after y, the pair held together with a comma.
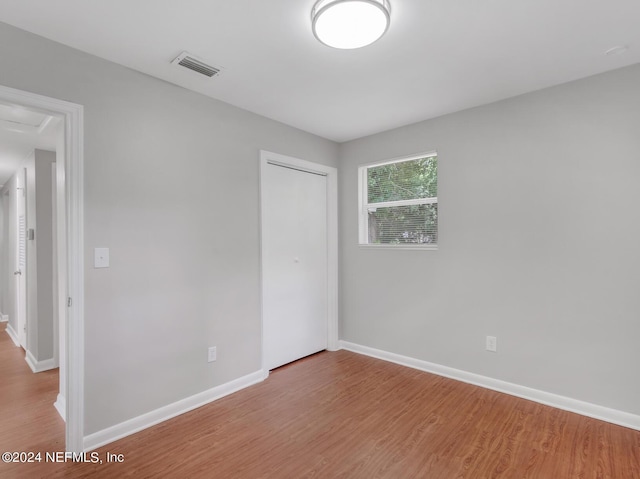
x: 193, y: 63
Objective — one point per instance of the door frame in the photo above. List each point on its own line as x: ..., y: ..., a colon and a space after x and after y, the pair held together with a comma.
x: 331, y: 173
x: 72, y: 224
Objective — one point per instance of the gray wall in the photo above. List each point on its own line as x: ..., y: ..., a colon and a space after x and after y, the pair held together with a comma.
x: 539, y: 203
x: 171, y: 187
x: 39, y: 196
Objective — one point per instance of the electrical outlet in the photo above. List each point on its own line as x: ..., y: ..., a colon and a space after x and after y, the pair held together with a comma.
x: 212, y: 354
x: 492, y: 344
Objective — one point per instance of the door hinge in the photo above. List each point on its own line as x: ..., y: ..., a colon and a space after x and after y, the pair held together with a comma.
x: 69, y: 302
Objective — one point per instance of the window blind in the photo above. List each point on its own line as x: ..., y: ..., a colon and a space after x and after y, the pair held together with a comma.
x: 402, y: 202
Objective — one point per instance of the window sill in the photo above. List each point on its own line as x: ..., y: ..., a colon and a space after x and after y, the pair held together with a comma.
x: 424, y: 247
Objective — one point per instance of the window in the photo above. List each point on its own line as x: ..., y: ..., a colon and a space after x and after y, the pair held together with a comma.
x: 399, y: 202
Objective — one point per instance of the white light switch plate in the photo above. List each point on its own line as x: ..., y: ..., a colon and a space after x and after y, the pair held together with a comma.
x: 212, y: 356
x: 101, y: 258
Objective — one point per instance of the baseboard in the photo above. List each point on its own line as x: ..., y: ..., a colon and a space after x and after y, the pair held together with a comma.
x: 39, y: 366
x: 13, y: 335
x: 61, y: 407
x: 4, y: 318
x: 583, y: 408
x: 126, y: 428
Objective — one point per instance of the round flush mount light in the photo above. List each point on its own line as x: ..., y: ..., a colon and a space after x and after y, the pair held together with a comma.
x: 349, y: 24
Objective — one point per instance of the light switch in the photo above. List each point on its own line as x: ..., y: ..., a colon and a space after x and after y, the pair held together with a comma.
x: 101, y: 258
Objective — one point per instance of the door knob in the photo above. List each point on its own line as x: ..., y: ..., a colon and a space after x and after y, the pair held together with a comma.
x: 17, y: 272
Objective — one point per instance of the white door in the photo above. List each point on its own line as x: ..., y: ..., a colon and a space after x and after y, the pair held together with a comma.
x: 21, y: 262
x: 294, y: 259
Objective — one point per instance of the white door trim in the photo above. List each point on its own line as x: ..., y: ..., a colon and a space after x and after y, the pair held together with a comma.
x: 73, y: 117
x: 332, y: 239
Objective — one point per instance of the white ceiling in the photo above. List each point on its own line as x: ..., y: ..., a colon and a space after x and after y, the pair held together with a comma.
x: 438, y: 56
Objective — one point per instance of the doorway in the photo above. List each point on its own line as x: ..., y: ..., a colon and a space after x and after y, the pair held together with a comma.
x: 299, y: 258
x: 68, y: 255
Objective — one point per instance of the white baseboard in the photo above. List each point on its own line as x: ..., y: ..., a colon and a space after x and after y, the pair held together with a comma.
x: 4, y: 318
x: 61, y: 407
x: 13, y: 335
x: 39, y: 366
x: 595, y: 411
x: 126, y: 428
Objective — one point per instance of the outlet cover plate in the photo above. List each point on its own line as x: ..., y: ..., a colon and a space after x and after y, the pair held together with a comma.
x: 101, y: 258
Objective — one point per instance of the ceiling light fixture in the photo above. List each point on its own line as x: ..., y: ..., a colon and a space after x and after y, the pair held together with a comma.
x: 348, y: 24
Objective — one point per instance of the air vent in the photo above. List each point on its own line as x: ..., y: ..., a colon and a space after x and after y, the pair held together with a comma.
x: 187, y: 60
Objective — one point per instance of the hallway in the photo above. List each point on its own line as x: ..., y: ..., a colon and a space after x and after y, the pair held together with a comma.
x: 28, y: 420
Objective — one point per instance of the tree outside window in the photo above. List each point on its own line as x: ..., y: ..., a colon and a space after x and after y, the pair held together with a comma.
x: 399, y: 202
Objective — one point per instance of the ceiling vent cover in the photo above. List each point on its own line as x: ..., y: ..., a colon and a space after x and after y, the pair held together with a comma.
x: 195, y: 64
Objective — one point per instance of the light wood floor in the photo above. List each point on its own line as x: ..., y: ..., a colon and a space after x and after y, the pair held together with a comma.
x: 332, y: 415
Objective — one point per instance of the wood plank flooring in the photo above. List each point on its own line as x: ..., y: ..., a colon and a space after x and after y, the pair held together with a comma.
x: 336, y: 415
x: 28, y: 420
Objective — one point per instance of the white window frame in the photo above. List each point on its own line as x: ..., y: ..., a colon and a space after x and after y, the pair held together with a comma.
x: 364, y: 205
